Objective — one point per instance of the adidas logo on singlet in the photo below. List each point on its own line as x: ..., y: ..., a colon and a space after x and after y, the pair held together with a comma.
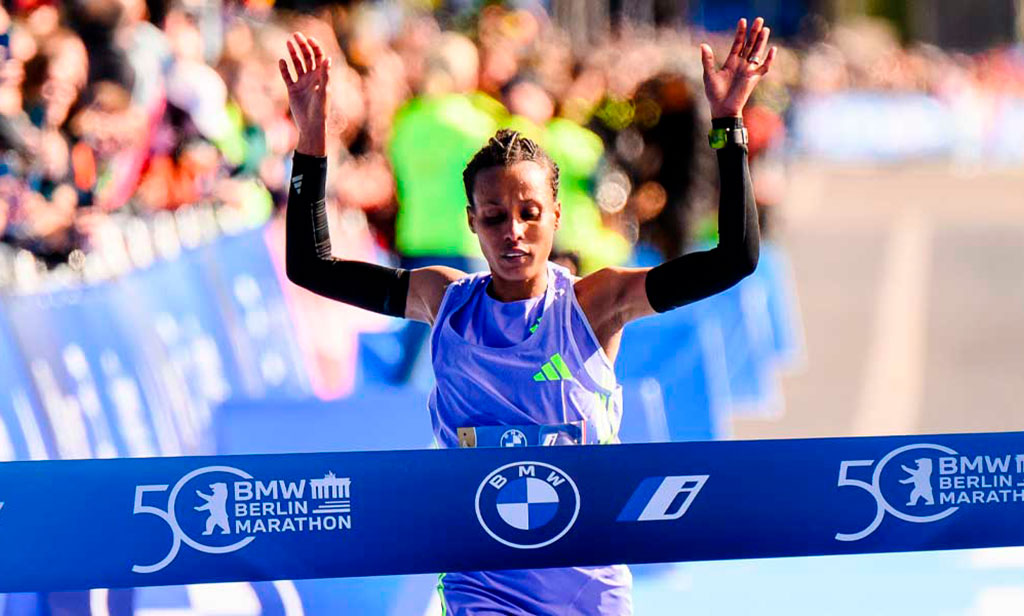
x: 297, y: 183
x: 553, y: 370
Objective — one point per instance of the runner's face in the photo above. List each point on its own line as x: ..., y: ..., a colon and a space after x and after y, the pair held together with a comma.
x: 515, y: 216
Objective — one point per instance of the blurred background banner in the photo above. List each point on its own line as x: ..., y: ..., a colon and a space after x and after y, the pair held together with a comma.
x: 141, y: 365
x: 144, y: 156
x: 874, y: 127
x: 22, y: 435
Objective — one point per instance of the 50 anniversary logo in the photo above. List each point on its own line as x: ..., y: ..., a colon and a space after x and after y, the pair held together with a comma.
x: 923, y: 483
x: 222, y: 509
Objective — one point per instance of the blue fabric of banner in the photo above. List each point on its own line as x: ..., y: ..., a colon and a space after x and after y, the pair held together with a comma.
x: 137, y: 522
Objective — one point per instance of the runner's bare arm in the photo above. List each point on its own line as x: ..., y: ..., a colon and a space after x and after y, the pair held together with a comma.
x: 395, y: 292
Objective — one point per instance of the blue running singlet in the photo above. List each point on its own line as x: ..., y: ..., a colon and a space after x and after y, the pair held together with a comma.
x: 535, y: 361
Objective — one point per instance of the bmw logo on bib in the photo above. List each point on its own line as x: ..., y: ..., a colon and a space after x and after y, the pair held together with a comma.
x: 527, y: 504
x: 513, y: 438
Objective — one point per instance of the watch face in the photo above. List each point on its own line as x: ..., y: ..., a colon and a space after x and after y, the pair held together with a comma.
x: 719, y: 137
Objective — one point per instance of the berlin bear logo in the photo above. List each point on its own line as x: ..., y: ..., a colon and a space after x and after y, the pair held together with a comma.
x: 921, y: 477
x: 923, y: 455
x: 217, y: 505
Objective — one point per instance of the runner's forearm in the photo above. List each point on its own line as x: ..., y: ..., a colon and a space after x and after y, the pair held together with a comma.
x: 697, y: 275
x: 308, y: 259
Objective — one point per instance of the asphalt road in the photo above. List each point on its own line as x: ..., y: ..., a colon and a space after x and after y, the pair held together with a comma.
x: 911, y: 287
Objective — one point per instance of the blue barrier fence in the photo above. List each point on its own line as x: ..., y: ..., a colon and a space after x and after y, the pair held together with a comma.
x: 198, y: 355
x: 139, y: 365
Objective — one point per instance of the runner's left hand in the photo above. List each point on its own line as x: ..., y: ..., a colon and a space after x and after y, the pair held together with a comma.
x: 729, y: 87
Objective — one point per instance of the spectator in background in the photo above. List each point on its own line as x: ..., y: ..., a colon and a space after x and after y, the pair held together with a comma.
x: 111, y: 130
x: 659, y: 181
x: 6, y: 196
x: 42, y: 201
x: 415, y: 38
x: 434, y: 137
x: 455, y: 120
x: 13, y: 147
x: 54, y: 78
x: 98, y: 23
x: 119, y: 99
x: 4, y: 209
x: 192, y: 137
x: 506, y: 40
x: 147, y: 48
x: 578, y: 153
x: 767, y: 132
x: 364, y: 179
x: 209, y: 143
x: 11, y: 76
x: 259, y: 103
x: 53, y: 81
x: 667, y: 175
x: 111, y: 147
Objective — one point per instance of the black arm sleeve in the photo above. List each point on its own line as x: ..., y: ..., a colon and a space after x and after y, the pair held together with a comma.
x: 697, y: 275
x: 308, y: 260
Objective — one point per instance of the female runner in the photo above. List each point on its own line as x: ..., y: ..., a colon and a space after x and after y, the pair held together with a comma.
x: 525, y: 344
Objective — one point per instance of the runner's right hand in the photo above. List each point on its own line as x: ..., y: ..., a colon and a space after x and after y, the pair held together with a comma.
x: 307, y: 92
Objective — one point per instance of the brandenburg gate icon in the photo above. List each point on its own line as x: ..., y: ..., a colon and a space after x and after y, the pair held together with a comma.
x: 330, y: 487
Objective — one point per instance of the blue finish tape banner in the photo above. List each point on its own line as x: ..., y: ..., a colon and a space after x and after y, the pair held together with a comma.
x: 137, y: 522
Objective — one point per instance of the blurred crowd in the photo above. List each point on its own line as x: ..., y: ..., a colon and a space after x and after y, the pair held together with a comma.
x: 173, y: 112
x: 867, y: 55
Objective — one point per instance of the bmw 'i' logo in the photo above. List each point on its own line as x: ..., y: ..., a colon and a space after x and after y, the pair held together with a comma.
x: 527, y: 504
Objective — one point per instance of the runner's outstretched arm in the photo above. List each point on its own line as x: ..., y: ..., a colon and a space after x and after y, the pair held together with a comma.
x: 698, y: 275
x: 395, y: 292
x: 626, y: 294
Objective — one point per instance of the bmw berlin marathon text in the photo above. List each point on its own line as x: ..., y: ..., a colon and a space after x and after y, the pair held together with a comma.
x: 222, y: 509
x: 926, y: 482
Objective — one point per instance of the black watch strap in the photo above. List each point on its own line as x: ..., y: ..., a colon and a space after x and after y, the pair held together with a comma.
x: 725, y: 131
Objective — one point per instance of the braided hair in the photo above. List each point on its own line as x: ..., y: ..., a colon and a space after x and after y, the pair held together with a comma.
x: 506, y: 148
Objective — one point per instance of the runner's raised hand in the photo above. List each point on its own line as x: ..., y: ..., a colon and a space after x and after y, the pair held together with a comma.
x: 307, y: 92
x: 729, y: 87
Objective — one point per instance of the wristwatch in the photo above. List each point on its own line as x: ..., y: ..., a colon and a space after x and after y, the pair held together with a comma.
x: 720, y: 137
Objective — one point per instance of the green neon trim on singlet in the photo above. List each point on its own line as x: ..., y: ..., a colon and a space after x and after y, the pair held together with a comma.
x: 440, y: 591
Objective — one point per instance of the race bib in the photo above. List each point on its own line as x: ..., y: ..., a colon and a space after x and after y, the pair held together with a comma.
x: 535, y: 435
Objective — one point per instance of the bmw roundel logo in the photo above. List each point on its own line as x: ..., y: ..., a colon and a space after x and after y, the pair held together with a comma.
x: 513, y: 438
x: 527, y: 505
